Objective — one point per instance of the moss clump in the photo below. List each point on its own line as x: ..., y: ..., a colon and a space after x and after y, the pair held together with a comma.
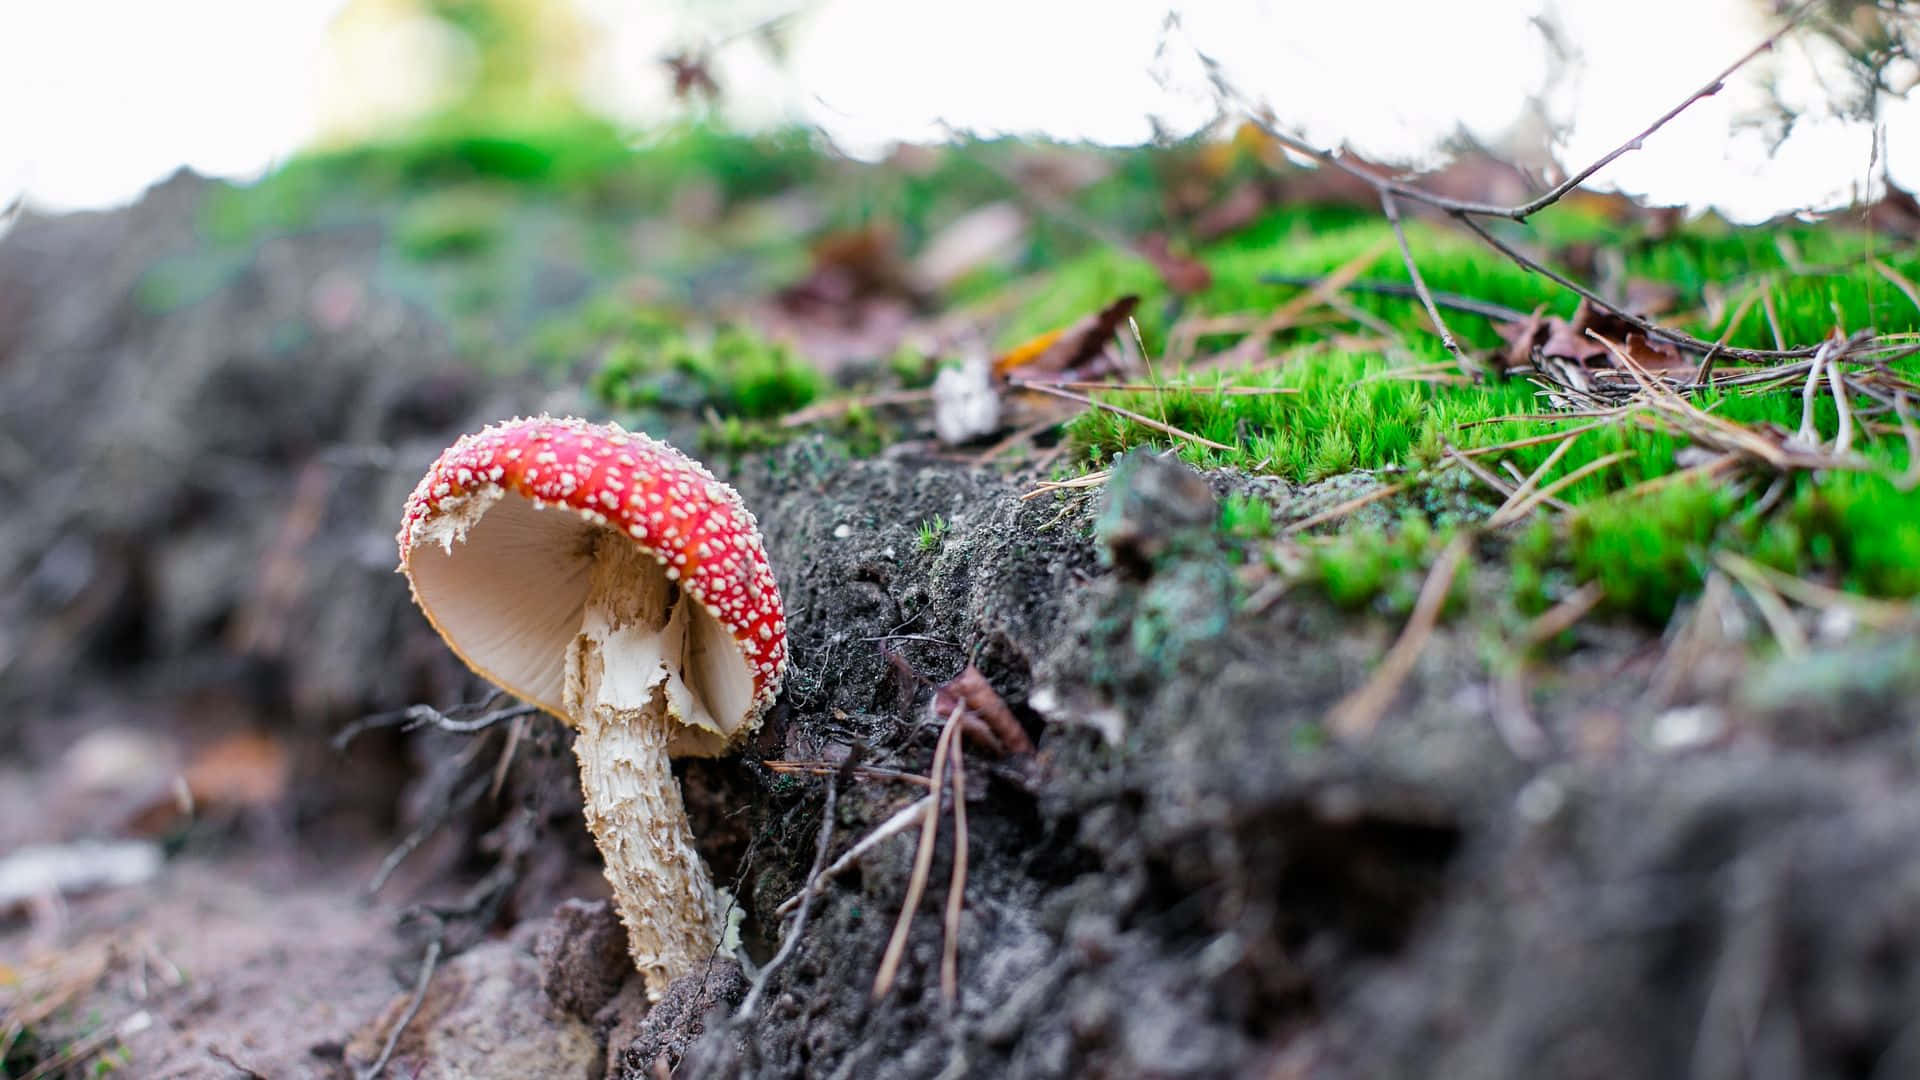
x: 1647, y: 552
x: 1246, y: 517
x: 1384, y: 568
x: 451, y: 224
x: 735, y: 373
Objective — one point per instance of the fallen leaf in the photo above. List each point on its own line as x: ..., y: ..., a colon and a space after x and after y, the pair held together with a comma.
x: 1553, y: 338
x: 970, y: 692
x: 1068, y: 353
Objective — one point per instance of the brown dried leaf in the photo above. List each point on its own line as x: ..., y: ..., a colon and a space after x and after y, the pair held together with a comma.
x: 1071, y: 353
x: 1554, y: 339
x: 970, y: 692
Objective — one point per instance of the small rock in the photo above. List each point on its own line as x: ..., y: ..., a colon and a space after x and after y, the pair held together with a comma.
x: 678, y: 1020
x: 583, y: 957
x: 483, y: 1017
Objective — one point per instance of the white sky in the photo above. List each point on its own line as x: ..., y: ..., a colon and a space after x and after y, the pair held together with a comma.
x: 99, y: 98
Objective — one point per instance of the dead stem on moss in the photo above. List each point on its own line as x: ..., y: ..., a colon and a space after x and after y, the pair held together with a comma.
x: 1146, y: 421
x: 957, y: 883
x: 1786, y: 630
x: 1356, y: 715
x: 1560, y: 618
x: 1525, y: 506
x: 1532, y: 481
x: 1253, y: 346
x: 922, y: 860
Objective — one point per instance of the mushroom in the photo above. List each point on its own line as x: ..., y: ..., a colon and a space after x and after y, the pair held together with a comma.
x: 614, y: 582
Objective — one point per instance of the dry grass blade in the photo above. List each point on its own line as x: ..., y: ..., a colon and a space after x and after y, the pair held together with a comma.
x: 1705, y: 374
x: 1911, y: 478
x: 1533, y: 479
x: 922, y: 863
x: 1078, y: 483
x: 956, y: 888
x: 863, y: 772
x: 1357, y: 714
x: 906, y: 818
x: 1899, y: 281
x: 1521, y: 418
x: 1877, y: 614
x: 1151, y: 388
x: 1561, y: 617
x: 1780, y: 621
x: 1704, y: 470
x: 1773, y: 319
x: 1500, y: 487
x: 1137, y: 418
x: 1843, y: 406
x: 1340, y: 510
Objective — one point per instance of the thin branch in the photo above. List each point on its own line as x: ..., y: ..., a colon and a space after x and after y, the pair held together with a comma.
x: 417, y: 716
x: 1522, y: 211
x: 432, y: 960
x: 1559, y: 191
x: 1652, y: 330
x: 1392, y: 210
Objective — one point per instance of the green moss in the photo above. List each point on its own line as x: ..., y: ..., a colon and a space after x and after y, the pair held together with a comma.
x: 1246, y: 517
x: 931, y: 533
x: 1384, y: 568
x: 736, y: 373
x: 451, y: 224
x: 1648, y: 551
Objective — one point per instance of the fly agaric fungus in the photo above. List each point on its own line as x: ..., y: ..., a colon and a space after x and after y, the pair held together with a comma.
x: 611, y: 580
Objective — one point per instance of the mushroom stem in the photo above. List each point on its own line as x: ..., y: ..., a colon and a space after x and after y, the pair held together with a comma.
x: 660, y: 885
x: 622, y: 693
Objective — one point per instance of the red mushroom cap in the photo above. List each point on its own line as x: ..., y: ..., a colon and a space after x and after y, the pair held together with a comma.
x: 499, y: 535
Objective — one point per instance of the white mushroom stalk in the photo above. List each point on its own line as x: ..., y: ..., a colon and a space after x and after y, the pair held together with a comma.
x: 614, y: 582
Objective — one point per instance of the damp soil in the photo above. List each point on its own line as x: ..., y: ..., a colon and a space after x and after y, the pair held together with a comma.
x: 1613, y: 863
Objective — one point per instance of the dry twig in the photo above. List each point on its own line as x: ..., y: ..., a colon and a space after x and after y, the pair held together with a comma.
x: 922, y: 862
x: 956, y: 887
x: 1357, y: 714
x: 906, y: 818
